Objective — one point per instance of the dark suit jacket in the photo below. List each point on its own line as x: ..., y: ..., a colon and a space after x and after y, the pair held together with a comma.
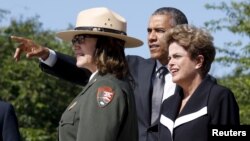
x: 8, y: 123
x: 210, y: 104
x: 141, y: 69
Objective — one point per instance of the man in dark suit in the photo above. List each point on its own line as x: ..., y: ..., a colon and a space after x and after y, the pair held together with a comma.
x: 8, y: 123
x: 142, y: 70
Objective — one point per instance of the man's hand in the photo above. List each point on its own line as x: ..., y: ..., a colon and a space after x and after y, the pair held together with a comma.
x: 30, y: 48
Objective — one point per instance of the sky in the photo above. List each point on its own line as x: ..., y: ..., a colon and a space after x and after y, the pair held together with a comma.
x: 57, y: 15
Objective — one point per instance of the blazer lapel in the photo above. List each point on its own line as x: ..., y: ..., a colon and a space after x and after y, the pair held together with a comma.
x: 197, y: 104
x: 170, y: 111
x: 195, y: 107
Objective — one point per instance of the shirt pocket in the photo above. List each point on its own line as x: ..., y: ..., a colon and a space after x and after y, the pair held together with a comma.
x: 68, y: 118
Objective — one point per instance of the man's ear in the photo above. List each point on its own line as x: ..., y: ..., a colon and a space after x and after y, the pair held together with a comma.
x: 199, y: 60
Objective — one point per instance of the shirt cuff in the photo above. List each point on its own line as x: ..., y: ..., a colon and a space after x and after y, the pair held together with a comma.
x: 51, y: 60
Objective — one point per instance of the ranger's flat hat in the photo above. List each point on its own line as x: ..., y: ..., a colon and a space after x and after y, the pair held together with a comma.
x: 101, y: 21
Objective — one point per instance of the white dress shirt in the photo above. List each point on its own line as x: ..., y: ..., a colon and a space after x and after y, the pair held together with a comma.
x: 51, y: 60
x: 169, y: 86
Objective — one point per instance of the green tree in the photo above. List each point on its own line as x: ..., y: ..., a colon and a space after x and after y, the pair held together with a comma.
x: 39, y: 99
x: 236, y: 21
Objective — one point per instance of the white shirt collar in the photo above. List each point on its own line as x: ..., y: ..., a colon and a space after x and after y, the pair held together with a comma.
x: 169, y: 86
x: 93, y: 74
x: 158, y: 65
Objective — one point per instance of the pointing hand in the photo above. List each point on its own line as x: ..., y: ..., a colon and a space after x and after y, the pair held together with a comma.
x: 30, y: 48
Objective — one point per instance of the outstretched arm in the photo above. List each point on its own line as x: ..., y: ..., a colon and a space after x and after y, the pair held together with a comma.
x: 64, y: 67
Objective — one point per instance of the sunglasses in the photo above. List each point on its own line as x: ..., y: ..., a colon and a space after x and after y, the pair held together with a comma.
x: 79, y: 39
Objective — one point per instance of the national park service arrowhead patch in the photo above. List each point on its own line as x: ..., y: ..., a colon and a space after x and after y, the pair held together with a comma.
x: 104, y: 96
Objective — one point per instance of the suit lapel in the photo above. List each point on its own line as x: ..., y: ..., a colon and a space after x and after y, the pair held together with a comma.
x: 145, y: 76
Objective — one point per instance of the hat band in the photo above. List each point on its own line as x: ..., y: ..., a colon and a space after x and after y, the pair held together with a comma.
x: 101, y: 29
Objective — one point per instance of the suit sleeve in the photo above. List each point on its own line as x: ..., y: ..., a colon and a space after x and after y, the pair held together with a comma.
x: 226, y: 111
x: 10, y: 126
x: 65, y: 68
x: 103, y: 123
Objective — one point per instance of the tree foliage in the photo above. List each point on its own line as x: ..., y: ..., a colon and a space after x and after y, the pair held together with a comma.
x: 240, y: 86
x: 39, y: 99
x: 236, y: 21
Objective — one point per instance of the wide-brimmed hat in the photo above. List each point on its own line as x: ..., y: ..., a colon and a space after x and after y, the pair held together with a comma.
x: 101, y: 21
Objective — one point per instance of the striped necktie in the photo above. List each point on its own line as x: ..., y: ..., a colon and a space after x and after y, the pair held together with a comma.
x: 158, y: 88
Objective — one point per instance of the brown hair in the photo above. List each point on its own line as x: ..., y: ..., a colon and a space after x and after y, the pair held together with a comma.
x: 110, y: 57
x: 195, y: 41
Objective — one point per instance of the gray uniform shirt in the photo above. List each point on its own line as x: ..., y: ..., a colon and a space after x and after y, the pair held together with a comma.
x: 103, y: 111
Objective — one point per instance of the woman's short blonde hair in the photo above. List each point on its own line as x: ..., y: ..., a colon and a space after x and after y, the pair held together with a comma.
x: 196, y: 41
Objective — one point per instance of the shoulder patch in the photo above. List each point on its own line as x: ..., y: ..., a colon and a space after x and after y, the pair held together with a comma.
x: 104, y: 96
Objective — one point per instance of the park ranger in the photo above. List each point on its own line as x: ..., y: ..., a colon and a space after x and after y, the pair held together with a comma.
x: 105, y: 109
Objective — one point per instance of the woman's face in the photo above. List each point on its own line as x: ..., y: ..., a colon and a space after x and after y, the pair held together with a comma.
x: 84, y: 47
x: 180, y: 65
